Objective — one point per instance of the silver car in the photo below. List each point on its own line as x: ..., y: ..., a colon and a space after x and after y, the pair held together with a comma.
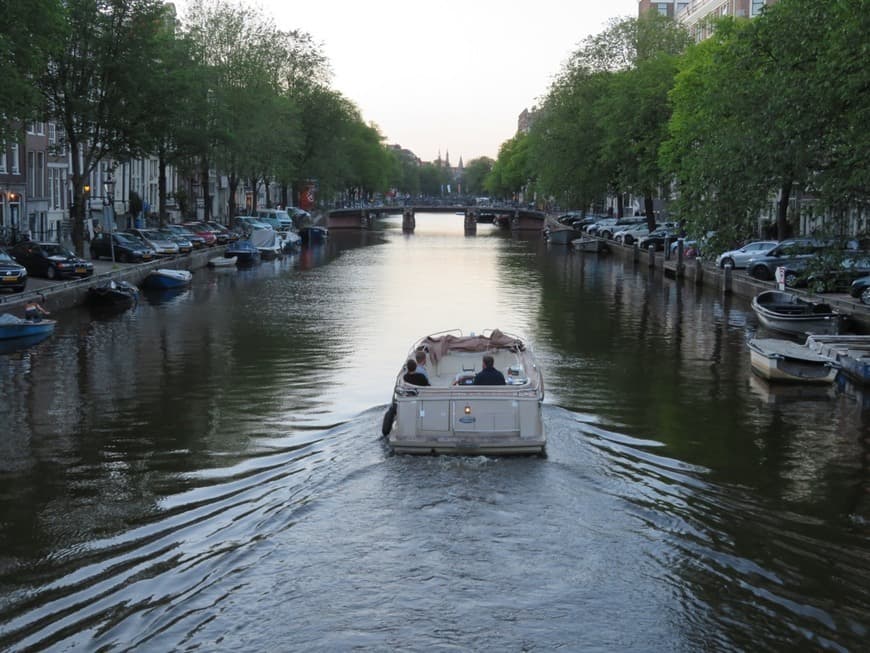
x: 160, y: 243
x: 738, y: 258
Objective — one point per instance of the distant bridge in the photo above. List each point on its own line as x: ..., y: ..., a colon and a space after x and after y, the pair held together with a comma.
x: 507, y: 217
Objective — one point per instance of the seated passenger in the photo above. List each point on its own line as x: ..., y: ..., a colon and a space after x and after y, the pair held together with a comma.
x: 420, y: 358
x: 489, y: 375
x: 412, y: 376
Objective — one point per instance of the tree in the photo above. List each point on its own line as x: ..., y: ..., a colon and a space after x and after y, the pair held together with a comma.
x: 475, y: 174
x: 31, y: 34
x: 91, y: 87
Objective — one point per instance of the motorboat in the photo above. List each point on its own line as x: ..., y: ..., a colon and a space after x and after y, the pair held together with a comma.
x: 114, y: 294
x: 313, y: 234
x: 244, y: 252
x: 13, y: 327
x: 787, y: 312
x: 783, y: 360
x: 290, y: 241
x: 268, y: 243
x: 163, y: 279
x: 222, y: 262
x: 453, y: 415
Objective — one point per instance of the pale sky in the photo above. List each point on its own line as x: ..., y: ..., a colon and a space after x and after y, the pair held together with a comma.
x: 450, y: 75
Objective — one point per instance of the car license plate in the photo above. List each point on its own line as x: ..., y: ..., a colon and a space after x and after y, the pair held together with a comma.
x: 80, y: 270
x: 10, y: 278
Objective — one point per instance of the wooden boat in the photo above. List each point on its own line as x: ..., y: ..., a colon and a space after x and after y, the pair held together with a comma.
x: 114, y: 294
x: 222, y: 262
x: 783, y: 360
x: 852, y: 353
x: 588, y: 244
x: 454, y: 416
x: 787, y: 312
x: 13, y: 327
x: 164, y: 278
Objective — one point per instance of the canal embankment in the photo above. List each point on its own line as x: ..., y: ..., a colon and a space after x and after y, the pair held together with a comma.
x: 59, y: 295
x: 703, y: 273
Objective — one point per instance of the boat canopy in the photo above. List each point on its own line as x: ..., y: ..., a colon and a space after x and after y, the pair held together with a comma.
x: 440, y: 346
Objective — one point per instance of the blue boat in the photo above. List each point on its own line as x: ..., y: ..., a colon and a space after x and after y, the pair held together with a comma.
x: 162, y: 279
x: 244, y: 250
x: 12, y: 327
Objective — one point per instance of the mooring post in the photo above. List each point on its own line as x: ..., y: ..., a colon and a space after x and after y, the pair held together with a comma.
x: 699, y: 272
x: 651, y: 251
x: 409, y: 222
x: 681, y: 266
x: 470, y: 222
x: 726, y: 280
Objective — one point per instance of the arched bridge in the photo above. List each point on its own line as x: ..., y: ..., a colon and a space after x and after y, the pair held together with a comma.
x: 508, y: 217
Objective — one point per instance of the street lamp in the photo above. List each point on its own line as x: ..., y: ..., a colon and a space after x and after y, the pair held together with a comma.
x: 109, y: 210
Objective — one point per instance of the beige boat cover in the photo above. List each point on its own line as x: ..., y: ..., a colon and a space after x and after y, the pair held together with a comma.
x: 441, y: 346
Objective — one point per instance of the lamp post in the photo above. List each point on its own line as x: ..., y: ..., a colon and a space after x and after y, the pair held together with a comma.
x: 109, y: 210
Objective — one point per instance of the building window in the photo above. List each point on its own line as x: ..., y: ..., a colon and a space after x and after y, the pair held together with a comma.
x: 663, y: 8
x: 3, y: 158
x: 52, y: 134
x: 16, y: 163
x: 756, y: 7
x: 56, y: 184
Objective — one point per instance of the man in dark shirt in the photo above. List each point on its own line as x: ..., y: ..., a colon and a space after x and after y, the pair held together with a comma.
x: 489, y: 375
x: 412, y: 375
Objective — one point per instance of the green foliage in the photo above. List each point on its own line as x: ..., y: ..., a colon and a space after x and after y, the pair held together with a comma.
x: 475, y: 175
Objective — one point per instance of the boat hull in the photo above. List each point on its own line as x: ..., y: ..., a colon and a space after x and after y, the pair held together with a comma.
x: 167, y: 279
x: 26, y: 329
x: 787, y: 313
x: 783, y: 361
x: 454, y: 416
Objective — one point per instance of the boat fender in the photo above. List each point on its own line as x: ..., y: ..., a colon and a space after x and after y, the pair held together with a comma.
x: 389, y: 418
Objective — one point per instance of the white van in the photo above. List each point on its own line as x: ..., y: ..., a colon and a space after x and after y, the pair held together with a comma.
x: 280, y: 215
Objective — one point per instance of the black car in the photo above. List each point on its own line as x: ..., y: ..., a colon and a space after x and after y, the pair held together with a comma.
x: 127, y: 248
x: 12, y: 275
x: 51, y: 260
x: 860, y: 288
x: 794, y: 255
x: 657, y: 239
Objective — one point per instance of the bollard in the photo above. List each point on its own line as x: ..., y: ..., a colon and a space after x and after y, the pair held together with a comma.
x: 635, y: 252
x: 667, y: 249
x: 699, y: 272
x: 726, y: 280
x: 651, y: 250
x: 681, y: 266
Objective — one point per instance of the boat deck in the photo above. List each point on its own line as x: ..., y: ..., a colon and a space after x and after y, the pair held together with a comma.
x: 459, y: 368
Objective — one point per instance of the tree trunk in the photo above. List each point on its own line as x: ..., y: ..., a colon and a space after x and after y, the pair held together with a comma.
x: 233, y: 185
x: 620, y: 206
x: 161, y: 185
x: 203, y: 181
x: 782, y: 212
x: 649, y: 211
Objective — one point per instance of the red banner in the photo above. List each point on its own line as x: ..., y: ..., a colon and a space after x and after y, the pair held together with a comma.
x: 306, y: 196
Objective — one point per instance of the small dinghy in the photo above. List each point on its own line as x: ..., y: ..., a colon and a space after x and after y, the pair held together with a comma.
x: 114, y: 294
x: 163, y: 279
x: 783, y: 360
x: 787, y: 312
x: 14, y: 328
x: 223, y: 262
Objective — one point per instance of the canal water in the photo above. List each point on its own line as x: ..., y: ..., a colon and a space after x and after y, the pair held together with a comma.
x: 207, y: 472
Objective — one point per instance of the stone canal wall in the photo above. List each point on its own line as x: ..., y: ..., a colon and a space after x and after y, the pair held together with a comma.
x: 58, y: 295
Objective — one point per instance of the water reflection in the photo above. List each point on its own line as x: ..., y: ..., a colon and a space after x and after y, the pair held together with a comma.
x: 208, y: 472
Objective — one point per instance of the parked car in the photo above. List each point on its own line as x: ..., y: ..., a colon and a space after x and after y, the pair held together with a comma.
x: 245, y: 224
x: 738, y: 258
x: 185, y: 244
x: 838, y: 278
x: 206, y: 237
x: 51, y: 260
x: 127, y: 248
x: 180, y: 232
x: 272, y: 216
x: 609, y: 230
x: 657, y: 238
x: 594, y: 228
x: 860, y: 288
x: 160, y: 243
x: 628, y: 235
x: 13, y: 275
x: 794, y: 255
x: 223, y: 234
